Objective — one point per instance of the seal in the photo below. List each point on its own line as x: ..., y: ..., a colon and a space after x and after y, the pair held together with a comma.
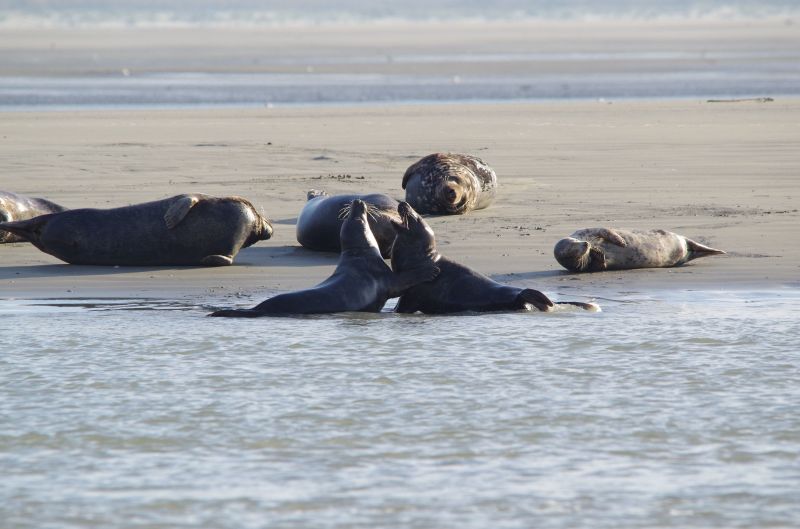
x: 451, y: 184
x: 457, y: 288
x: 362, y: 281
x: 596, y: 249
x: 20, y: 207
x: 320, y: 221
x: 190, y: 229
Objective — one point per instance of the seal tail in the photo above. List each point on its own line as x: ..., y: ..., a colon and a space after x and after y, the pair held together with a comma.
x: 697, y: 250
x: 29, y: 230
x: 537, y: 299
x: 236, y: 313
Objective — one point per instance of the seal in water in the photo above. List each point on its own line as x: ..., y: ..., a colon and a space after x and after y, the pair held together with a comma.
x: 595, y: 249
x: 321, y: 219
x: 451, y: 184
x: 362, y: 281
x: 19, y: 207
x: 456, y: 288
x: 192, y: 229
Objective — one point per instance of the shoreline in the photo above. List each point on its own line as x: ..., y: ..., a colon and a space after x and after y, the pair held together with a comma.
x: 722, y: 174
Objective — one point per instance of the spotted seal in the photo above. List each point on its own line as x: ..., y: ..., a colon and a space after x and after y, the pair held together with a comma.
x: 190, y: 229
x: 362, y: 281
x: 595, y: 249
x: 20, y: 207
x: 320, y: 221
x: 447, y: 183
x: 457, y: 288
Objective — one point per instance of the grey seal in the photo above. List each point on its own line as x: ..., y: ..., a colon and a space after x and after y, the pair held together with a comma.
x: 457, y: 288
x: 362, y: 281
x: 20, y: 207
x: 447, y: 183
x: 190, y: 229
x: 320, y: 221
x: 595, y: 249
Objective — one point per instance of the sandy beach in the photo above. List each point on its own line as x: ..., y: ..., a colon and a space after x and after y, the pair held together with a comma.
x: 725, y: 174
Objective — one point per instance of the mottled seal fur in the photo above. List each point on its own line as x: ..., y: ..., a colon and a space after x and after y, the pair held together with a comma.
x: 595, y: 249
x: 452, y: 184
x: 457, y: 288
x: 320, y: 221
x: 362, y: 281
x: 192, y: 229
x: 15, y: 207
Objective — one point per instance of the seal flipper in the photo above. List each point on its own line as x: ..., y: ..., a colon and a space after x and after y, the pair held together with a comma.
x: 237, y: 313
x: 611, y: 236
x: 29, y: 229
x: 217, y: 260
x: 697, y: 250
x: 591, y: 307
x: 536, y: 298
x: 178, y: 210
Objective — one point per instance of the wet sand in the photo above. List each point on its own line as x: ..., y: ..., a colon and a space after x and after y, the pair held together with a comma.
x: 725, y: 174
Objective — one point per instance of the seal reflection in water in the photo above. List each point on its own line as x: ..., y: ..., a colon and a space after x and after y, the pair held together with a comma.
x: 457, y: 288
x: 596, y: 249
x: 362, y: 281
x: 451, y: 184
x: 321, y: 219
x: 15, y: 207
x: 191, y: 229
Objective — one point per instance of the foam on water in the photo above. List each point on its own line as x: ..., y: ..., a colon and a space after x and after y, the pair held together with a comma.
x: 664, y: 410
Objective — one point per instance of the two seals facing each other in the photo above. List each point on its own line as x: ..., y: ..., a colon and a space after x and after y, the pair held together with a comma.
x: 320, y: 221
x: 15, y: 207
x: 457, y: 288
x: 362, y: 281
x: 191, y: 229
x: 596, y: 249
x: 452, y: 184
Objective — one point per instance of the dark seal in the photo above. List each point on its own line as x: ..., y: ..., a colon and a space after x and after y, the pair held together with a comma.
x: 450, y: 184
x: 20, y: 207
x: 362, y: 281
x: 596, y: 249
x: 320, y: 221
x: 190, y: 229
x: 457, y: 288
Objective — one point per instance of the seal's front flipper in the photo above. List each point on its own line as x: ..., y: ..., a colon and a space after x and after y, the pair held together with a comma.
x: 178, y: 210
x: 611, y: 236
x: 405, y: 280
x: 537, y: 299
x: 30, y: 229
x: 697, y: 250
x: 217, y: 260
x: 236, y: 313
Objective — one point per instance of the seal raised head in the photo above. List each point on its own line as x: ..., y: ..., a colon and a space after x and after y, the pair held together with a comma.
x: 320, y: 221
x: 596, y: 249
x: 451, y: 184
x: 15, y: 207
x: 192, y: 229
x: 362, y: 281
x: 457, y: 288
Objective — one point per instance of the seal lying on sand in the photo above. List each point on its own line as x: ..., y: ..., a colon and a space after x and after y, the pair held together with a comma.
x: 362, y: 281
x: 595, y: 249
x: 456, y: 288
x: 19, y: 207
x: 321, y: 219
x: 451, y: 184
x: 191, y: 229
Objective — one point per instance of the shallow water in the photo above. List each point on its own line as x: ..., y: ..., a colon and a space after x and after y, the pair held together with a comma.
x: 664, y: 410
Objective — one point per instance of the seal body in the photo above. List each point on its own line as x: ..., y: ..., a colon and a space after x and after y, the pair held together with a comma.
x: 20, y: 207
x: 457, y: 288
x: 192, y: 229
x: 451, y: 184
x: 320, y: 221
x: 362, y: 281
x: 596, y: 249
